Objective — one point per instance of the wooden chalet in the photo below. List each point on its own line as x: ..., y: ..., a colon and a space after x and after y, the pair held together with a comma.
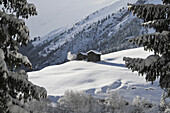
x: 93, y: 56
x: 81, y: 56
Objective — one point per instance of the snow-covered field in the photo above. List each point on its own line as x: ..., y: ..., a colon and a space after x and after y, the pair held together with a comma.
x: 99, y: 79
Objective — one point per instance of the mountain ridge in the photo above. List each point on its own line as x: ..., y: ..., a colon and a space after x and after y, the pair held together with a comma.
x: 106, y: 34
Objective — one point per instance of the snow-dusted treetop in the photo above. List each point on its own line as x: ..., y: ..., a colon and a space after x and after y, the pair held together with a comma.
x: 15, y: 89
x: 157, y: 65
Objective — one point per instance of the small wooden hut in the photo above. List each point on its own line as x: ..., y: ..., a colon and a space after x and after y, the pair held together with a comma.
x: 93, y: 56
x: 81, y: 56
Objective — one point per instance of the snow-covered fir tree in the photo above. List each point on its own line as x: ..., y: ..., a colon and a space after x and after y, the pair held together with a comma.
x: 157, y: 65
x: 15, y: 89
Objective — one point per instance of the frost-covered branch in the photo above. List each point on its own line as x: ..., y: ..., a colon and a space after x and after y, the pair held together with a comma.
x: 160, y: 25
x: 150, y: 12
x: 153, y: 66
x: 166, y: 1
x: 159, y: 42
x: 20, y: 79
x: 15, y: 89
x: 143, y: 66
x: 20, y: 7
x: 14, y: 29
x: 17, y: 59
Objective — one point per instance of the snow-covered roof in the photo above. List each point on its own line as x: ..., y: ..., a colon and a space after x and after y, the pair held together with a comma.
x: 95, y: 51
x: 83, y: 53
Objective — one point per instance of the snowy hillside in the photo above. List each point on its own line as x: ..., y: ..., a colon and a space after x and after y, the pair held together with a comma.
x: 102, y: 30
x: 106, y: 30
x: 64, y: 12
x: 97, y: 78
x: 92, y: 17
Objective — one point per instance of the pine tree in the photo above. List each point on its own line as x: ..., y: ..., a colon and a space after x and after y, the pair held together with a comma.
x: 156, y: 65
x: 15, y: 89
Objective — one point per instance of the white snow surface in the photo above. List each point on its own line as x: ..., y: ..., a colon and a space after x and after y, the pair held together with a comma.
x: 98, y: 78
x: 53, y: 14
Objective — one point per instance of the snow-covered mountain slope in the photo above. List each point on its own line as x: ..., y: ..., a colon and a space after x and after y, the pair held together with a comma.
x: 99, y: 79
x: 103, y: 30
x: 57, y: 13
x: 95, y: 16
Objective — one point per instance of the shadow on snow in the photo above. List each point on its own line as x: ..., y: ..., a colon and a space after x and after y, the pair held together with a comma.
x: 111, y: 64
